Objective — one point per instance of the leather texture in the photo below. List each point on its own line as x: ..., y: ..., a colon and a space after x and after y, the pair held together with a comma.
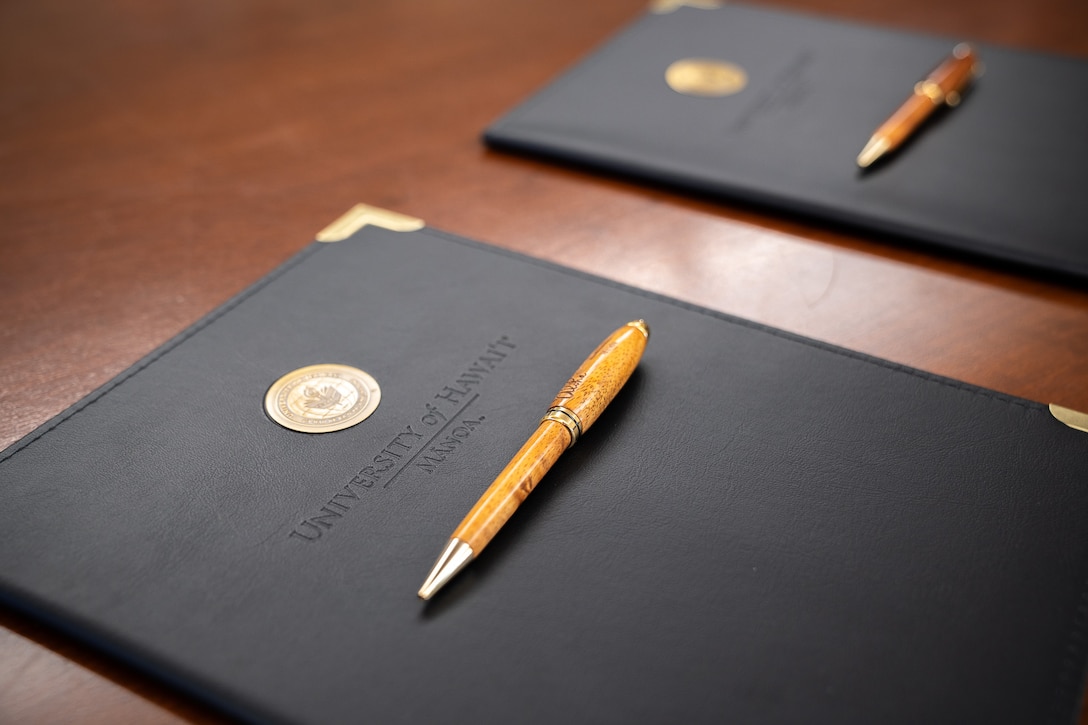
x: 1000, y: 175
x: 760, y: 528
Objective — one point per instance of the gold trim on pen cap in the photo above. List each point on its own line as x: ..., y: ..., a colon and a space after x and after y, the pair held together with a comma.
x: 641, y: 326
x: 931, y: 90
x: 567, y: 419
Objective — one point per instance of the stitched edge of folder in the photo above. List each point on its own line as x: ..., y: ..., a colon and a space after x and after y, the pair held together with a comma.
x: 160, y: 351
x: 742, y: 322
x: 1068, y: 691
x: 133, y: 654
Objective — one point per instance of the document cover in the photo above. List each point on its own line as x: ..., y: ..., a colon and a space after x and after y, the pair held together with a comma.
x: 773, y: 108
x: 760, y: 528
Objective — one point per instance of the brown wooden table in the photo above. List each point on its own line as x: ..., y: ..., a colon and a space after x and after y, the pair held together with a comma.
x: 155, y: 158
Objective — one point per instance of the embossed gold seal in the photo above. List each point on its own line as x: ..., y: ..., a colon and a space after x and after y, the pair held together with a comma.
x: 322, y: 398
x: 706, y: 77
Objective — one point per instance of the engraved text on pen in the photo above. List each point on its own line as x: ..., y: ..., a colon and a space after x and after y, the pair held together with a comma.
x: 571, y: 387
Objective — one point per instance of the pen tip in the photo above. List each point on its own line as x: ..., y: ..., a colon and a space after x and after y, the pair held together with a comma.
x: 873, y: 150
x: 452, y: 560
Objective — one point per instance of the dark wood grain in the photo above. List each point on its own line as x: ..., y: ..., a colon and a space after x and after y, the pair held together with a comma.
x: 155, y: 158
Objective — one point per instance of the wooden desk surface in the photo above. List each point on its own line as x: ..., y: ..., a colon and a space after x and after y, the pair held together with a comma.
x: 158, y: 157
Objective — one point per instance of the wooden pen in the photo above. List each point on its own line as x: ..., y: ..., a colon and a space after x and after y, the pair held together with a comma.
x: 574, y: 410
x: 941, y: 87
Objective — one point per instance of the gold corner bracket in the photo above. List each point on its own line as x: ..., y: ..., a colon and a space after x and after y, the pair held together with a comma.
x: 360, y: 215
x: 664, y: 7
x: 1072, y: 418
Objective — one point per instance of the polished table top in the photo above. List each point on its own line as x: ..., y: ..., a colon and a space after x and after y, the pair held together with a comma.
x: 159, y: 157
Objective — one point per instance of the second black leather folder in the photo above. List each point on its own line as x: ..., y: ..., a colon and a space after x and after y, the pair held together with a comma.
x: 761, y: 528
x: 1001, y: 175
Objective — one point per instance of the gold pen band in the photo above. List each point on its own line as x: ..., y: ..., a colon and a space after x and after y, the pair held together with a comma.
x: 567, y: 419
x: 931, y: 90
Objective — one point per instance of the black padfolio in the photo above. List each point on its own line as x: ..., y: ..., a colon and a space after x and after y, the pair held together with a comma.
x: 1001, y: 175
x: 761, y: 528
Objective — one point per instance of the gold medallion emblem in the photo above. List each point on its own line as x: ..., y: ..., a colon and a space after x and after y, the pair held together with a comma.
x: 322, y: 398
x: 706, y: 77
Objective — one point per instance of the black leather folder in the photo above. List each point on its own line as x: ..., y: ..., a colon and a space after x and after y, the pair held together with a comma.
x: 1001, y: 175
x: 760, y: 528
